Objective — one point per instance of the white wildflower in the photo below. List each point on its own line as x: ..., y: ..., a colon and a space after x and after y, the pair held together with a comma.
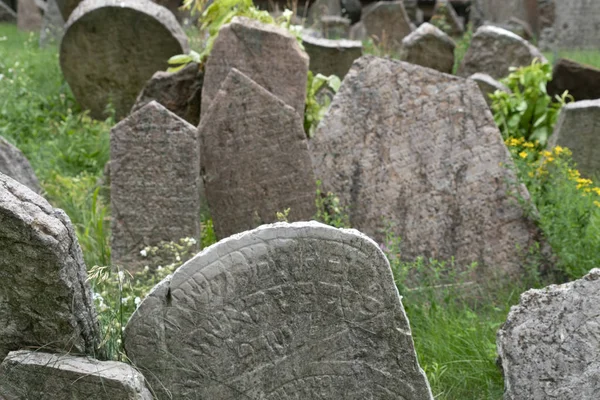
x: 144, y: 253
x: 137, y: 301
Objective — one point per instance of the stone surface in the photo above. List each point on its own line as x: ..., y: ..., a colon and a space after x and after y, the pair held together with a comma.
x: 582, y: 81
x: 548, y: 346
x: 154, y: 182
x: 267, y: 54
x: 571, y: 24
x: 334, y: 27
x: 331, y: 57
x: 7, y: 14
x: 444, y: 10
x: 516, y: 26
x: 14, y: 164
x: 320, y: 8
x: 488, y: 85
x: 387, y: 23
x: 43, y: 376
x: 111, y: 48
x: 429, y: 47
x: 66, y: 7
x: 29, y: 16
x: 256, y: 163
x: 578, y: 128
x: 494, y: 50
x: 52, y: 25
x: 45, y: 299
x: 501, y: 11
x: 286, y: 311
x: 416, y: 151
x: 179, y: 92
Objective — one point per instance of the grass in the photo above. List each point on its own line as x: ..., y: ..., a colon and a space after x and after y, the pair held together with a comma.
x: 589, y: 57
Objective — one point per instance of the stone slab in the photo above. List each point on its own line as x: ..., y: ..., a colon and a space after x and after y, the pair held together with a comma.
x: 429, y: 47
x: 331, y: 57
x: 14, y: 164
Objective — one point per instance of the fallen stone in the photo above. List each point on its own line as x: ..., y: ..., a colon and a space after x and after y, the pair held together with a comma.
x: 331, y: 57
x: 41, y: 376
x: 111, y: 48
x: 14, y: 164
x: 45, y: 299
x: 416, y: 153
x: 548, y: 346
x: 300, y: 311
x: 254, y: 163
x: 29, y: 16
x: 7, y: 14
x: 488, y: 85
x: 582, y: 81
x: 387, y: 23
x: 444, y: 11
x: 429, y: 47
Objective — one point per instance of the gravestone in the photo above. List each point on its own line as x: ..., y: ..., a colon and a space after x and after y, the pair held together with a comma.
x: 285, y: 311
x: 41, y: 376
x: 335, y: 27
x: 29, y: 16
x: 111, y: 48
x: 45, y: 299
x: 494, y: 50
x: 7, y: 14
x: 582, y: 81
x: 413, y: 11
x: 256, y: 163
x: 429, y: 47
x: 488, y: 85
x: 517, y: 27
x: 416, y: 153
x: 548, y: 346
x: 179, y: 92
x: 578, y: 128
x: 154, y: 182
x: 571, y: 24
x: 331, y: 57
x: 321, y: 8
x: 14, y: 164
x: 52, y: 25
x: 267, y: 54
x: 387, y: 23
x: 501, y: 11
x: 444, y: 11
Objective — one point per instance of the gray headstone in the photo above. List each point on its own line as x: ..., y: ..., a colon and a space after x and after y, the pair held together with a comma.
x: 444, y: 10
x: 52, y: 25
x: 578, y: 128
x: 29, y: 16
x: 111, y: 48
x: 154, y: 182
x: 14, y: 164
x: 488, y: 85
x: 494, y: 50
x: 286, y: 311
x: 429, y: 47
x: 548, y: 346
x: 415, y: 150
x: 582, y: 81
x: 573, y: 24
x: 7, y: 14
x: 387, y: 23
x: 255, y: 162
x: 267, y: 54
x: 331, y: 57
x: 45, y: 299
x: 497, y: 11
x: 43, y: 376
x: 320, y: 8
x: 335, y: 27
x: 179, y: 92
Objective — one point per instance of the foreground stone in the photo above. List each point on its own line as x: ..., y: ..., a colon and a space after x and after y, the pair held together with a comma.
x: 331, y: 57
x: 387, y: 23
x: 416, y: 152
x: 42, y: 376
x: 14, y: 164
x: 45, y: 299
x: 255, y: 163
x: 494, y: 50
x: 285, y: 311
x: 578, y: 128
x: 548, y: 346
x: 111, y: 48
x: 267, y: 54
x: 429, y: 47
x: 179, y: 92
x: 154, y: 182
x: 488, y: 85
x: 582, y: 81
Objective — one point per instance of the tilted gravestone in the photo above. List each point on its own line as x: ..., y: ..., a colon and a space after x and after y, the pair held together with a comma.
x: 7, y: 14
x: 180, y: 92
x: 582, y: 81
x: 578, y: 128
x: 45, y: 299
x: 40, y: 376
x: 267, y: 54
x: 387, y: 23
x: 256, y: 163
x: 331, y: 57
x: 29, y: 16
x: 111, y: 48
x: 285, y: 311
x: 488, y: 85
x: 429, y: 47
x: 548, y: 346
x: 444, y: 11
x: 14, y: 164
x: 570, y: 24
x: 494, y: 50
x: 154, y: 182
x: 415, y: 152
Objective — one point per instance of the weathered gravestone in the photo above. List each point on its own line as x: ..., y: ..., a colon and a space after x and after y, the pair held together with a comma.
x: 548, y: 346
x: 154, y: 182
x: 267, y: 54
x: 578, y: 128
x: 45, y: 299
x: 254, y: 163
x: 571, y: 24
x: 29, y: 16
x: 7, y: 14
x: 320, y: 8
x: 43, y: 376
x: 501, y: 11
x: 14, y: 164
x: 582, y: 81
x: 387, y: 23
x: 111, y: 48
x: 494, y: 50
x: 286, y: 311
x: 416, y: 152
x: 52, y: 24
x: 331, y: 57
x: 180, y: 92
x: 429, y: 47
x: 488, y: 85
x: 444, y: 11
x: 335, y: 27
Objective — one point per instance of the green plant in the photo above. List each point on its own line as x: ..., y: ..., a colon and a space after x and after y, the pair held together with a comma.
x: 329, y: 210
x: 319, y: 92
x: 462, y: 45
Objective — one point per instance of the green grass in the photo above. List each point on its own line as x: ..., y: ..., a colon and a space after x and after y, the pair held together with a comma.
x: 589, y: 57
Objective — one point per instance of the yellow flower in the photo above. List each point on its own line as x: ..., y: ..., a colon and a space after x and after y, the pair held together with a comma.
x: 528, y: 144
x: 558, y: 150
x: 531, y: 174
x: 597, y: 203
x: 523, y: 154
x: 549, y: 159
x: 583, y: 181
x: 596, y: 190
x: 546, y: 153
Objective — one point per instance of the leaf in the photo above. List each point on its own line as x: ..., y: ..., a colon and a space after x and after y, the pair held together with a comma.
x: 180, y: 59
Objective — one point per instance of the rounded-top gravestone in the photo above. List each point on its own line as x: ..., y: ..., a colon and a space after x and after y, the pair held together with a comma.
x: 111, y: 48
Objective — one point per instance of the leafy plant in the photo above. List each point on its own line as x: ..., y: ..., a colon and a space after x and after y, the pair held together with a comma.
x: 329, y: 210
x: 319, y: 92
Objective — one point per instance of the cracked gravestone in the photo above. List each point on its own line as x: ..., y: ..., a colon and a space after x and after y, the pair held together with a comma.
x: 429, y: 47
x: 285, y: 311
x: 14, y: 164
